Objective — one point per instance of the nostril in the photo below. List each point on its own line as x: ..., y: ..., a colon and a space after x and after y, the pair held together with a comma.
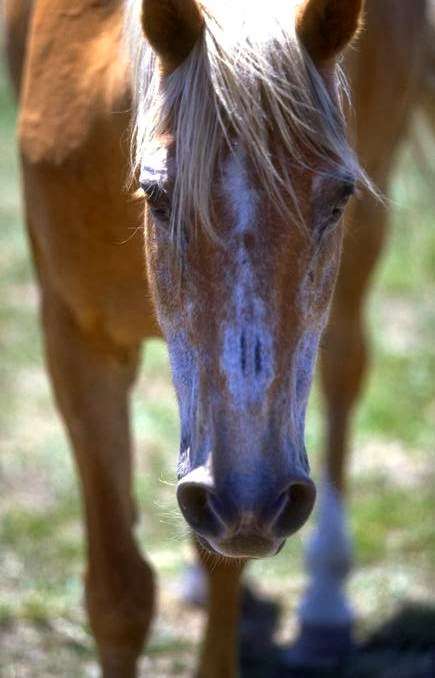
x: 194, y: 501
x: 294, y: 508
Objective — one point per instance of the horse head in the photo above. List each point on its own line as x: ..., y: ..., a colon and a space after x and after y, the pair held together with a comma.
x: 246, y: 169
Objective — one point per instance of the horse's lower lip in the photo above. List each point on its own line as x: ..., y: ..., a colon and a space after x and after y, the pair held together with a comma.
x: 229, y: 551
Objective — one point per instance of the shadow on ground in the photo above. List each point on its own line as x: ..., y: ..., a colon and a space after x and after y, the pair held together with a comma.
x: 403, y: 647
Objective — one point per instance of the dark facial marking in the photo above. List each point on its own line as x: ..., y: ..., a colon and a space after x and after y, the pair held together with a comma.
x: 258, y: 357
x: 243, y: 353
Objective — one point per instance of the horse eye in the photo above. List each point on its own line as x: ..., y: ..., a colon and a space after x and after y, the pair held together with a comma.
x: 157, y: 199
x: 347, y: 190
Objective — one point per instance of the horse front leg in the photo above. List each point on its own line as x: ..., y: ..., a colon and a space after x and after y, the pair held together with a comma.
x: 219, y: 654
x: 91, y: 378
x: 326, y: 616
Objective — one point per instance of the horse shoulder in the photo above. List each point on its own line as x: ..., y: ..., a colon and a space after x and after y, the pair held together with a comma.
x: 75, y: 80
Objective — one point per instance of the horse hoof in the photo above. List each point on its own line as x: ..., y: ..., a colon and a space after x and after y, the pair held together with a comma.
x: 319, y: 647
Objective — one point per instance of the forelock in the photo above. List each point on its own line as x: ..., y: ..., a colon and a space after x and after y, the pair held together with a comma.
x: 247, y: 81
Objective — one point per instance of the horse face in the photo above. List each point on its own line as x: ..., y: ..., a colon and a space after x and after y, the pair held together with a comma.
x: 243, y: 320
x: 243, y: 313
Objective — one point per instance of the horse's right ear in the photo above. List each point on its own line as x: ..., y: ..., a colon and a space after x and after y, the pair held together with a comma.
x: 171, y: 27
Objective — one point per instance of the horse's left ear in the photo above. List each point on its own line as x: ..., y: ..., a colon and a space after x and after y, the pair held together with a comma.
x: 171, y: 27
x: 325, y: 27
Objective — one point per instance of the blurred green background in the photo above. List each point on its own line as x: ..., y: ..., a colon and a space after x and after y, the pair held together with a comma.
x: 43, y: 630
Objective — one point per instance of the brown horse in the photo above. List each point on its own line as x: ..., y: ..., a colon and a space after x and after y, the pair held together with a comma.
x: 242, y: 154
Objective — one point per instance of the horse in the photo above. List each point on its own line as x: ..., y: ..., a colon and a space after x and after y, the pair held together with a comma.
x: 248, y: 158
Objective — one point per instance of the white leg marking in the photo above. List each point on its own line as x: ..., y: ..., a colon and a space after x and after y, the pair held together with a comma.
x: 329, y: 561
x: 194, y: 587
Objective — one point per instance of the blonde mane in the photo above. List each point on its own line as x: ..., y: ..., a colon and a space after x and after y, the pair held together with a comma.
x: 246, y: 79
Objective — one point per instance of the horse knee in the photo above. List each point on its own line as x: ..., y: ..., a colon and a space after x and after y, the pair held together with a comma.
x: 344, y: 362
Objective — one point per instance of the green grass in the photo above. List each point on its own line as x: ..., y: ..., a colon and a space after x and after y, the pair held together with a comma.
x: 41, y: 540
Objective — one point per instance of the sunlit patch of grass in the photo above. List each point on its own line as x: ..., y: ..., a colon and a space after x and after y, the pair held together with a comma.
x: 7, y: 613
x: 390, y: 523
x: 400, y: 397
x: 20, y: 527
x: 36, y: 608
x: 155, y: 359
x: 168, y: 643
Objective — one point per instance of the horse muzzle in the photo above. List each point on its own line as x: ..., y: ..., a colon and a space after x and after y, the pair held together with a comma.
x: 238, y: 523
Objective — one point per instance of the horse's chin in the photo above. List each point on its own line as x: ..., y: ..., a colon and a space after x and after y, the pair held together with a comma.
x: 242, y: 547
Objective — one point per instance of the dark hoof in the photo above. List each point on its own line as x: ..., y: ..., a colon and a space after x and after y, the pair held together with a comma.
x: 319, y: 648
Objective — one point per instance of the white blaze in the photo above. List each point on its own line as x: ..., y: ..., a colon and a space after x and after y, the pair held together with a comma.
x: 247, y: 312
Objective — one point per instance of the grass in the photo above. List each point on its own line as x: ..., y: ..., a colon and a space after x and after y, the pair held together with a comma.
x: 43, y: 631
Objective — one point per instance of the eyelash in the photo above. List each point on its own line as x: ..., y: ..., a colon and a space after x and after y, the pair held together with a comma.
x: 151, y: 190
x: 155, y: 196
